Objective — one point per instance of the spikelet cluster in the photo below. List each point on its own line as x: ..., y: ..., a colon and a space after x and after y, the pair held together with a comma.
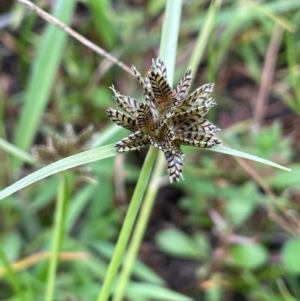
x: 59, y: 147
x: 167, y: 119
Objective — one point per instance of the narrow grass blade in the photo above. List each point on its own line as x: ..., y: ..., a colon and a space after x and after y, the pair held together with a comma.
x: 169, y: 36
x: 15, y: 151
x: 203, y: 37
x: 102, y: 16
x: 64, y: 164
x: 233, y: 152
x: 44, y: 71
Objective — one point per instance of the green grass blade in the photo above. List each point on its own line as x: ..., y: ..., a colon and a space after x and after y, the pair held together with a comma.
x: 233, y: 152
x: 15, y: 151
x: 103, y: 19
x: 203, y: 37
x: 169, y: 36
x: 44, y: 71
x: 106, y: 135
x: 61, y: 165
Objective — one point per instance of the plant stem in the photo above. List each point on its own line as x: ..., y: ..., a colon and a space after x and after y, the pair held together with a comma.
x: 128, y: 225
x: 51, y: 19
x: 140, y: 227
x: 62, y: 198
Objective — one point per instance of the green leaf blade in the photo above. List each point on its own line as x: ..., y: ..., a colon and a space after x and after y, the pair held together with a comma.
x: 61, y: 165
x: 233, y: 152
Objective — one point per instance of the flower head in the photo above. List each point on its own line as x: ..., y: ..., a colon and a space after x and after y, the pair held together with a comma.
x: 59, y: 147
x: 167, y: 119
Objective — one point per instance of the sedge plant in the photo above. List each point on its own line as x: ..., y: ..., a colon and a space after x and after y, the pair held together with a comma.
x: 147, y: 185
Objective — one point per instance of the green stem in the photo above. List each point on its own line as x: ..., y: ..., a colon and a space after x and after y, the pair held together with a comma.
x: 61, y: 203
x: 128, y: 225
x: 140, y: 227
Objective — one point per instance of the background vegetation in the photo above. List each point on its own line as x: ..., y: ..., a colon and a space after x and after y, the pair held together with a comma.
x: 230, y: 231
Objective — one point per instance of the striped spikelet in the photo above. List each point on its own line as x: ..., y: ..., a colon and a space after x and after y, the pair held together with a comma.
x: 174, y: 165
x: 167, y: 118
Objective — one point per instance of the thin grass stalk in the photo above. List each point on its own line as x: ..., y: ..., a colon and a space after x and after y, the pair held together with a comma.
x: 56, y: 21
x: 140, y: 228
x: 127, y: 225
x: 168, y: 47
x: 59, y: 227
x: 203, y: 37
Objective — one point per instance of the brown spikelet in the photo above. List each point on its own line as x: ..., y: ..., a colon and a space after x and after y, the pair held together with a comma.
x: 174, y: 165
x: 160, y: 87
x: 84, y: 136
x: 122, y: 119
x: 181, y: 90
x: 127, y: 103
x: 44, y: 155
x: 59, y: 147
x: 159, y: 66
x: 165, y: 141
x: 134, y: 141
x: 193, y: 123
x: 144, y: 118
x: 204, y: 126
x: 199, y: 140
x: 199, y: 98
x: 144, y: 83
